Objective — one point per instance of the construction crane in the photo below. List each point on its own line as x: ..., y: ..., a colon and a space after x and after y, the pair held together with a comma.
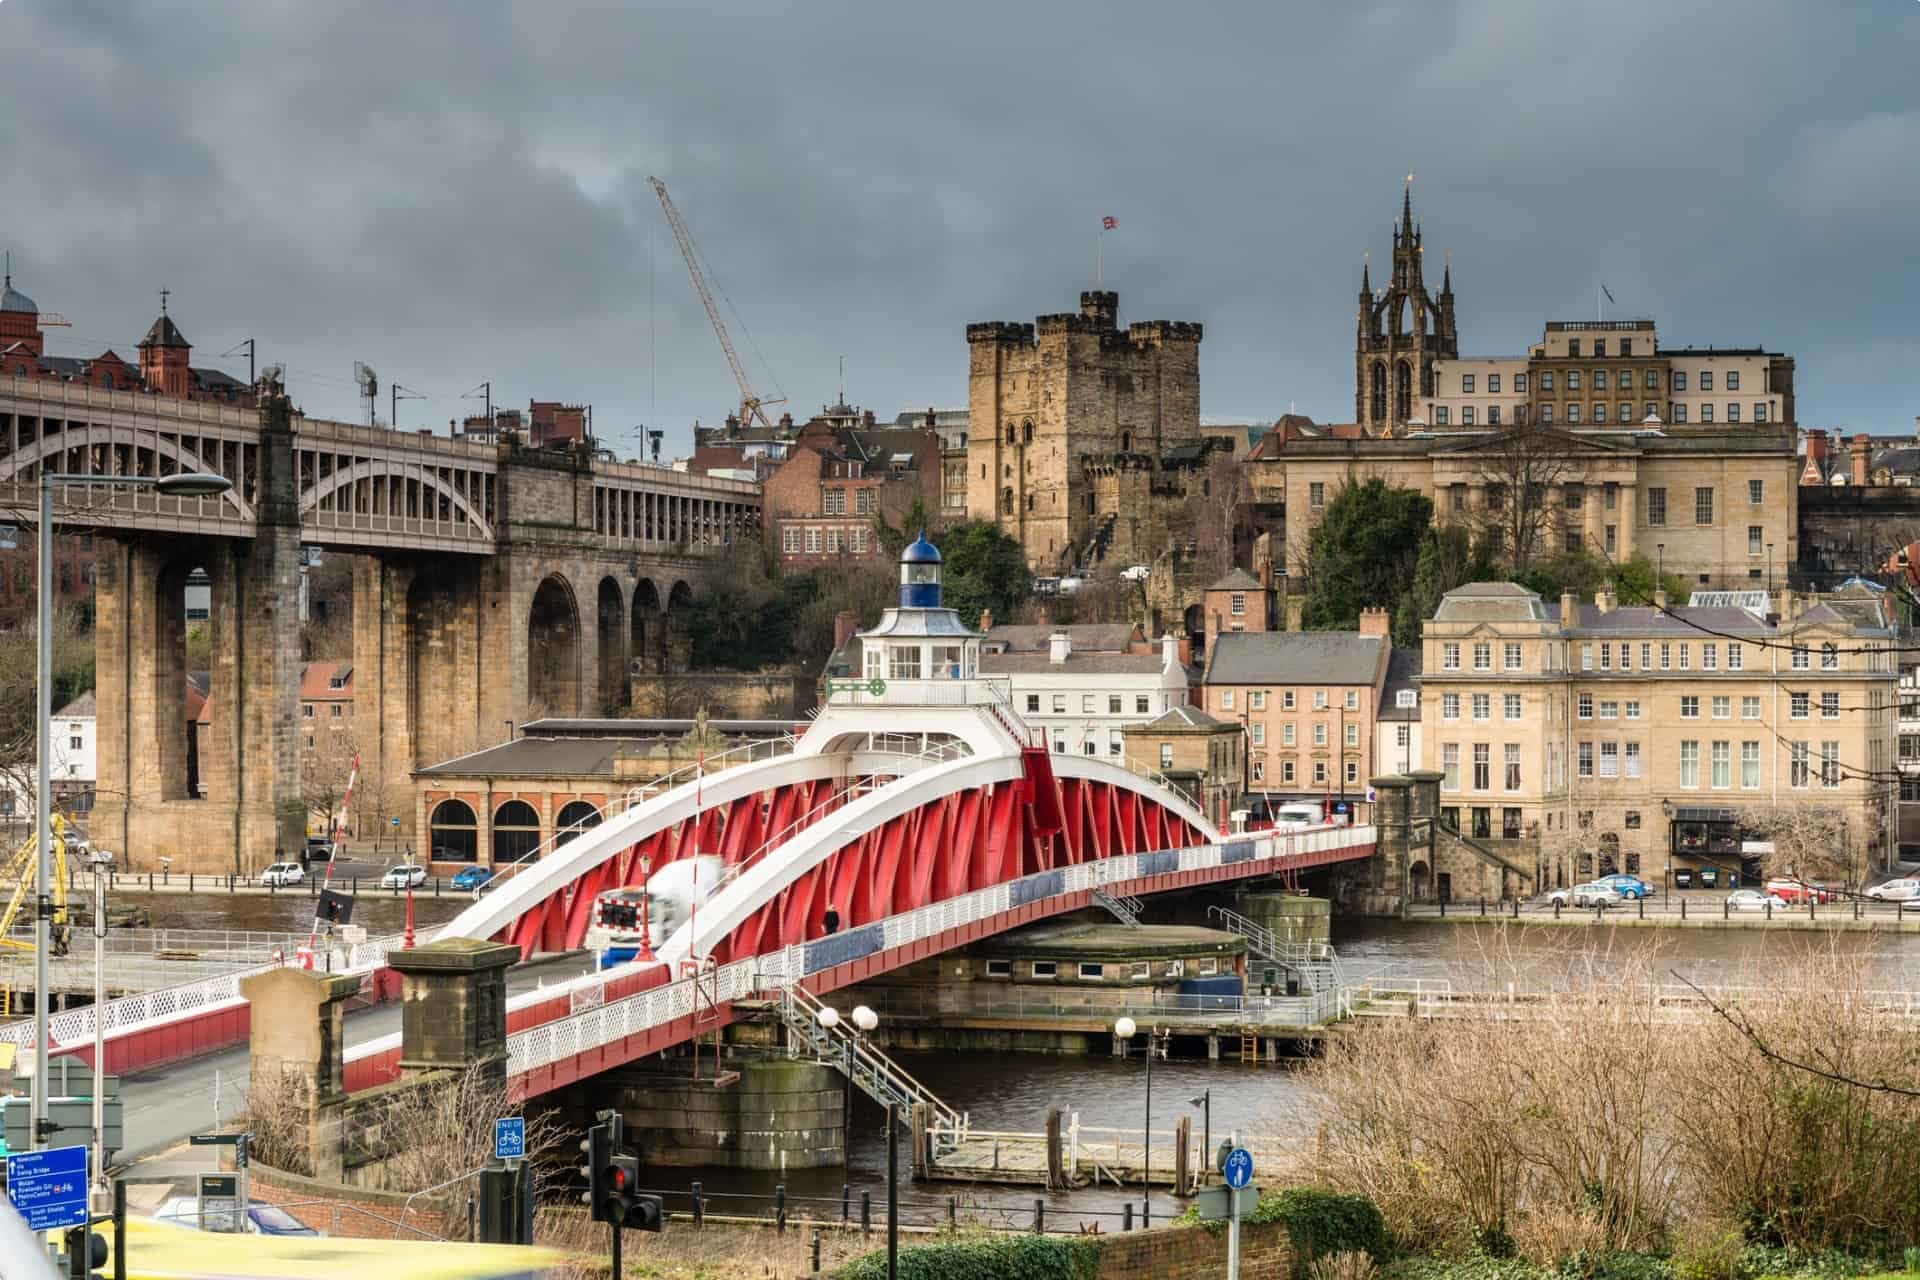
x: 22, y: 868
x: 751, y: 404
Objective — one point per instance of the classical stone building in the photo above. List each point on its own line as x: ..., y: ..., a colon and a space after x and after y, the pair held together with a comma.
x: 1713, y: 505
x: 1601, y: 737
x: 1078, y: 428
x: 1402, y: 331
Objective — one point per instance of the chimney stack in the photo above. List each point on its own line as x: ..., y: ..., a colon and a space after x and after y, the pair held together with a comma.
x: 1861, y: 451
x: 1569, y: 609
x: 986, y: 620
x: 845, y: 623
x: 1059, y: 645
x: 1659, y: 597
x: 1375, y: 622
x: 1604, y: 599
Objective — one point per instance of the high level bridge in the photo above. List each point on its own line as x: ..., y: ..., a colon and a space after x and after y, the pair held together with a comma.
x: 491, y: 584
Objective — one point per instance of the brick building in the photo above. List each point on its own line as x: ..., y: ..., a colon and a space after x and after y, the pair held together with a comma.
x: 818, y: 505
x: 1309, y: 703
x: 1073, y: 430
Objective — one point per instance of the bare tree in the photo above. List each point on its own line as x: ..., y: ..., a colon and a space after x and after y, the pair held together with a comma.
x: 1214, y: 515
x: 1524, y: 472
x: 325, y: 769
x: 1810, y: 841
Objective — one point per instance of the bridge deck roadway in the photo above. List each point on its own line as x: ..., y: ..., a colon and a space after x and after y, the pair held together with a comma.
x: 164, y: 1106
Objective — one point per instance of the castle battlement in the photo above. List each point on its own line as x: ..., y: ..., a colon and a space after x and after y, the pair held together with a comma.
x: 1005, y: 332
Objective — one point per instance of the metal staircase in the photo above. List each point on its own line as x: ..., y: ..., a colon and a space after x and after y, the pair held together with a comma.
x: 1125, y: 910
x: 857, y: 1058
x: 1315, y: 963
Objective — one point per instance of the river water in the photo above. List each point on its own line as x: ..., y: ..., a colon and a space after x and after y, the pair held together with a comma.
x: 1005, y: 1091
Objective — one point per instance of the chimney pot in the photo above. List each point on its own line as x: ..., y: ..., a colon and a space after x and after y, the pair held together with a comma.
x: 1059, y: 645
x: 1659, y: 598
x: 986, y: 620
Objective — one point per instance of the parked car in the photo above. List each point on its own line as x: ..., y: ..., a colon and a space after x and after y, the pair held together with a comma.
x: 262, y: 1218
x: 319, y: 848
x: 404, y: 876
x: 1592, y: 894
x: 1626, y: 886
x: 1798, y: 891
x: 283, y: 873
x: 472, y: 877
x: 1753, y: 900
x: 1895, y: 891
x: 1135, y: 573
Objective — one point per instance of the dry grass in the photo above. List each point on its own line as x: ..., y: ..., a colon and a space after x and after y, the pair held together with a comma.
x: 1603, y: 1122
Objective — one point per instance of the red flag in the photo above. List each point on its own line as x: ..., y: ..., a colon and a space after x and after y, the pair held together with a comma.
x: 1108, y: 224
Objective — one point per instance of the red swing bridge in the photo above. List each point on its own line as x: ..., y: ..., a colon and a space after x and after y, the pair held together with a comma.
x: 917, y: 807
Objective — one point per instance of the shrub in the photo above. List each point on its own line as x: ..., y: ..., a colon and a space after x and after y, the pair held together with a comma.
x: 1007, y: 1258
x: 1552, y: 1236
x: 1350, y: 1264
x: 1912, y: 1256
x: 1321, y: 1222
x: 1707, y: 1249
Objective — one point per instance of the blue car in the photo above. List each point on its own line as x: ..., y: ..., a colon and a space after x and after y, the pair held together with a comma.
x: 472, y: 877
x: 1627, y: 886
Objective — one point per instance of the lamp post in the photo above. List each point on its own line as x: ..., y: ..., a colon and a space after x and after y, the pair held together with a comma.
x: 1205, y: 1103
x: 102, y: 862
x: 864, y: 1022
x: 187, y: 484
x: 1123, y: 1029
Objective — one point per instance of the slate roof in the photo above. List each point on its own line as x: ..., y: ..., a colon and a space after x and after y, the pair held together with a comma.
x: 79, y: 709
x: 1077, y: 664
x: 1491, y: 602
x: 1087, y: 637
x: 1403, y: 672
x: 1184, y: 717
x: 164, y: 333
x: 11, y: 299
x: 1237, y: 580
x: 1294, y: 657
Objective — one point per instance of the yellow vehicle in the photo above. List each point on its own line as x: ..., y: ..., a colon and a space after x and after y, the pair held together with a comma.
x: 22, y: 869
x: 157, y: 1252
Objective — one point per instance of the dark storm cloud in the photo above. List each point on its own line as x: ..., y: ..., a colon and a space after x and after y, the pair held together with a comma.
x: 457, y: 191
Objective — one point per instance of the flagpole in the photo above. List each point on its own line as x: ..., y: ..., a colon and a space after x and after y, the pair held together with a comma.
x: 1099, y: 244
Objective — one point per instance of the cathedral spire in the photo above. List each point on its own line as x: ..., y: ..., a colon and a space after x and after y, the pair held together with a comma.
x: 1446, y: 277
x: 1406, y: 205
x: 1366, y: 283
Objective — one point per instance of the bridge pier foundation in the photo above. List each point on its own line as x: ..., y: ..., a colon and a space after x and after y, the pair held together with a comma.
x: 780, y: 1114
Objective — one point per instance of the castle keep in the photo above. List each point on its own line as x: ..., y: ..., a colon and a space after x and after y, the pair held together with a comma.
x: 1059, y: 409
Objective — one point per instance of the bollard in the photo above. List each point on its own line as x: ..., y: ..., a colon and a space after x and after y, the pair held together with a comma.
x: 1556, y: 908
x: 953, y: 1211
x: 866, y: 1212
x: 846, y: 1201
x: 1039, y: 1216
x: 229, y: 882
x: 1599, y: 911
x: 1483, y: 904
x: 780, y: 1208
x: 1126, y: 1216
x: 1516, y: 908
x: 1810, y: 897
x: 436, y: 893
x: 149, y: 881
x: 1683, y: 908
x: 1443, y: 908
x: 1641, y: 902
x: 816, y: 1250
x: 189, y: 882
x: 166, y: 876
x: 699, y: 1206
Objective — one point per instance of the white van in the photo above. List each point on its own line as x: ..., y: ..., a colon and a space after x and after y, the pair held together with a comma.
x: 1298, y: 814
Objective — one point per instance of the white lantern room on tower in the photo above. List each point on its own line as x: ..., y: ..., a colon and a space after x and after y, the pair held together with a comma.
x: 921, y: 639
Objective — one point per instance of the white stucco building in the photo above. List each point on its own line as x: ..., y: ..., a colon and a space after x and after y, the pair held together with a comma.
x: 1083, y: 701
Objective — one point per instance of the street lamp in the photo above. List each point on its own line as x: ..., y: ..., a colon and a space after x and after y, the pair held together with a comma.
x: 864, y: 1021
x: 187, y: 484
x: 1205, y: 1103
x: 102, y: 862
x: 1123, y: 1029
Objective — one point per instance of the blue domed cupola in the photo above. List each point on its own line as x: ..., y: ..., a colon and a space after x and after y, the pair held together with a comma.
x: 920, y: 574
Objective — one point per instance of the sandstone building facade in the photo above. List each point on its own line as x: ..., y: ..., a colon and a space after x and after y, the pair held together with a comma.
x: 1634, y: 738
x: 1073, y: 428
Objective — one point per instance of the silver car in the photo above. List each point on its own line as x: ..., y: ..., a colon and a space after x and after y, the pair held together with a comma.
x: 283, y: 873
x: 1753, y: 900
x: 1895, y: 891
x: 1592, y: 894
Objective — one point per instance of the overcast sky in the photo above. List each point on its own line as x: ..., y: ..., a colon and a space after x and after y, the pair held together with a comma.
x: 455, y: 192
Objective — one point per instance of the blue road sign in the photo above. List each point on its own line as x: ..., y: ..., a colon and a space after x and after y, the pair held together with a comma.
x: 49, y: 1188
x: 509, y: 1138
x: 1239, y: 1167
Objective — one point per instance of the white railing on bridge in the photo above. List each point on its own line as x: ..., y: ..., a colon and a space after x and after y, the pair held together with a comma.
x: 169, y: 1004
x: 773, y: 971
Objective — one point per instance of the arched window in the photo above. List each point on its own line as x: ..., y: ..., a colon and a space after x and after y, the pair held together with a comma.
x: 1006, y: 502
x: 516, y: 832
x: 452, y: 833
x: 1126, y: 442
x: 1403, y: 390
x: 1026, y: 434
x: 575, y: 818
x: 1029, y: 502
x: 1379, y: 392
x: 106, y: 380
x: 1011, y: 437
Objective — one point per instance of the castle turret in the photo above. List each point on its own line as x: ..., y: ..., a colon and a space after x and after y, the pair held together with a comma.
x: 164, y: 354
x: 920, y: 575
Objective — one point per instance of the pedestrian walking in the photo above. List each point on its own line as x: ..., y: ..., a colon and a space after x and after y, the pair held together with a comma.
x: 831, y: 920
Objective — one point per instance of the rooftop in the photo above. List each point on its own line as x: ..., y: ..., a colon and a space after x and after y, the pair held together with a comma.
x: 1087, y: 637
x: 1078, y: 664
x: 1237, y: 580
x: 1183, y: 717
x: 1294, y: 657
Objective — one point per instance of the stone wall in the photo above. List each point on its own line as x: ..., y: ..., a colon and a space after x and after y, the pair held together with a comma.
x: 358, y: 1212
x: 1195, y: 1253
x: 725, y: 695
x: 780, y: 1113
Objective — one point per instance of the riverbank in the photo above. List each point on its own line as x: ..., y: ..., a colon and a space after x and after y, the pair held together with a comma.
x: 1709, y: 913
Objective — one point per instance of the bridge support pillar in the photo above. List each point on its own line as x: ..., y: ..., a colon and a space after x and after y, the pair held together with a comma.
x: 225, y: 797
x: 453, y: 1010
x: 296, y: 1047
x: 780, y: 1114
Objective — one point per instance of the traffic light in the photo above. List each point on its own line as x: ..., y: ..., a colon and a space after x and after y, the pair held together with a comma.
x: 597, y: 1146
x: 613, y: 1179
x: 87, y: 1253
x: 619, y: 1180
